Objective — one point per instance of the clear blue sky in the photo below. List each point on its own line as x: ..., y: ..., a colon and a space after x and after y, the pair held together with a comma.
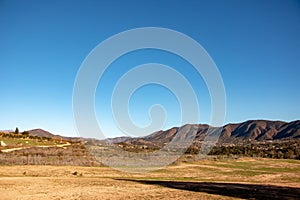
x: 255, y: 44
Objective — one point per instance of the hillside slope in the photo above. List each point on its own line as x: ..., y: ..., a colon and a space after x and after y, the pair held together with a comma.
x: 256, y: 130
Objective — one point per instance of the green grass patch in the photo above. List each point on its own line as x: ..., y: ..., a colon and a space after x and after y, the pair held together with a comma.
x: 291, y: 161
x: 25, y: 142
x: 235, y: 165
x: 292, y: 179
x: 278, y: 169
x: 246, y: 173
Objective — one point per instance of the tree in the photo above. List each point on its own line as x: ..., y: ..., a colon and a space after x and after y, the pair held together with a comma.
x: 25, y: 133
x: 17, y: 131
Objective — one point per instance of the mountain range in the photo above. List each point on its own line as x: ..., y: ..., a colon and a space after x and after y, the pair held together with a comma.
x: 254, y: 130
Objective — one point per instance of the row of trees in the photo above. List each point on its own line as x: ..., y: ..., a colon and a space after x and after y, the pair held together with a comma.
x: 24, y: 135
x: 287, y: 150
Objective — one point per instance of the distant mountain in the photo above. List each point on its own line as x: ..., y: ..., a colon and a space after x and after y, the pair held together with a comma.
x: 43, y: 133
x: 256, y: 130
x: 117, y: 139
x: 262, y: 130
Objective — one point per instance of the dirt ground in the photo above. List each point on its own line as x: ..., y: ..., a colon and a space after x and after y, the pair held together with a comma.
x: 228, y: 179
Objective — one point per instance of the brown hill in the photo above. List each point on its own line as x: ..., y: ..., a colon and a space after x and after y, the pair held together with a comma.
x: 256, y: 130
x: 262, y: 130
x: 43, y: 133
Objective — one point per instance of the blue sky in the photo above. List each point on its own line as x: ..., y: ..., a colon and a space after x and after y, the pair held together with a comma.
x: 255, y: 44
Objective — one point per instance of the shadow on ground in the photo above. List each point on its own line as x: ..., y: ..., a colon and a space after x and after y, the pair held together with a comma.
x: 245, y: 191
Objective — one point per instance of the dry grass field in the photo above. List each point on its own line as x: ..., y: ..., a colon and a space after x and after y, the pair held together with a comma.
x: 243, y: 178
